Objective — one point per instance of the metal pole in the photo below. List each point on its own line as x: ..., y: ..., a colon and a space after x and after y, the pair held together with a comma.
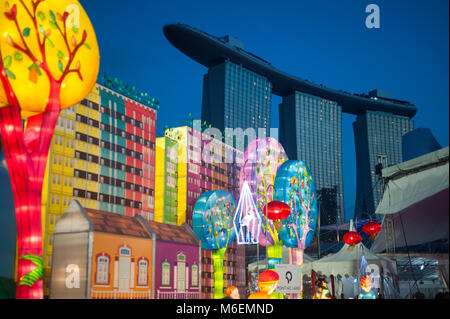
x: 318, y: 224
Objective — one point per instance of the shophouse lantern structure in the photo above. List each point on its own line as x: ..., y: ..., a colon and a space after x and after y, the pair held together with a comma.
x: 212, y: 221
x: 49, y: 61
x: 261, y: 161
x: 247, y: 221
x: 295, y: 186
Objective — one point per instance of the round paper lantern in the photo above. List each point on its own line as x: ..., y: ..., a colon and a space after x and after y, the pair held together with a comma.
x: 277, y: 211
x: 372, y: 229
x: 352, y: 238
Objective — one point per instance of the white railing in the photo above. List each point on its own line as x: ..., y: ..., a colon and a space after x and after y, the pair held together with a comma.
x: 114, y: 294
x: 177, y: 295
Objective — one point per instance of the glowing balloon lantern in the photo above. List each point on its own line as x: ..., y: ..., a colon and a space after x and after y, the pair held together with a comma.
x: 212, y: 222
x: 372, y: 229
x: 352, y: 238
x: 277, y: 211
x: 49, y: 61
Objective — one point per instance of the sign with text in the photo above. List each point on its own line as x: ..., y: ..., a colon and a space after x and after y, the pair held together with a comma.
x: 290, y: 278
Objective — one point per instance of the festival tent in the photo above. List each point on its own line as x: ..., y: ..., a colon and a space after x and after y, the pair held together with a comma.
x: 355, y: 261
x: 416, y: 198
x: 348, y: 261
x: 415, y: 211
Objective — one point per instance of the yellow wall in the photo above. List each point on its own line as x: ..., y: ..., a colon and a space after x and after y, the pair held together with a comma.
x: 105, y: 243
x: 159, y: 179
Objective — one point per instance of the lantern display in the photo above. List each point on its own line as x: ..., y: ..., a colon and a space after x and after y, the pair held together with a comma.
x: 295, y: 187
x: 267, y: 283
x: 49, y: 61
x: 366, y: 288
x: 261, y: 161
x: 372, y: 229
x: 212, y: 222
x: 277, y: 211
x: 352, y: 239
x: 247, y: 221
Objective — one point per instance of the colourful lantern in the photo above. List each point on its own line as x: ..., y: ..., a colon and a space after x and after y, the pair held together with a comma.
x: 277, y: 211
x: 372, y: 229
x: 352, y: 238
x: 267, y: 282
x: 49, y: 61
x: 295, y: 186
x: 247, y: 221
x: 212, y: 223
x: 261, y: 161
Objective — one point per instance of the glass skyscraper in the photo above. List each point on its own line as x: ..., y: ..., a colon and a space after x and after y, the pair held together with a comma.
x: 378, y: 140
x: 311, y: 131
x: 235, y: 97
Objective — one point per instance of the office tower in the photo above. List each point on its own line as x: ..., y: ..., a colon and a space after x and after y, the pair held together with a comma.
x: 103, y: 155
x: 235, y: 97
x: 378, y: 140
x: 201, y: 164
x: 312, y: 132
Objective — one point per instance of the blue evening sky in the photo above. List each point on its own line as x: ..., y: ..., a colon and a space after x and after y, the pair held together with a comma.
x: 324, y: 41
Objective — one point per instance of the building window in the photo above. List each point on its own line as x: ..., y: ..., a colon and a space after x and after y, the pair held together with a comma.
x: 102, y: 276
x: 165, y: 273
x: 143, y: 272
x: 194, y: 275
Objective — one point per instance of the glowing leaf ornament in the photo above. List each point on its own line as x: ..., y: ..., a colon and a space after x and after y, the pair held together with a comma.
x: 35, y: 85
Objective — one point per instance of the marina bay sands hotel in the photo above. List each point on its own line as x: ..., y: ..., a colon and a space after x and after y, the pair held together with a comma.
x: 237, y: 92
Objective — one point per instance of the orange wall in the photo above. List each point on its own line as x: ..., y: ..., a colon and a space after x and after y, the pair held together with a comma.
x: 109, y: 244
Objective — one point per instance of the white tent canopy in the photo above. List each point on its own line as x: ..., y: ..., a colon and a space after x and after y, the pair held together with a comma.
x: 417, y: 198
x: 413, y: 181
x: 348, y: 261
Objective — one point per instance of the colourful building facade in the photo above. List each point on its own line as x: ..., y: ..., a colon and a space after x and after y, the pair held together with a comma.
x: 102, y: 255
x: 103, y: 155
x: 177, y: 262
x: 203, y: 164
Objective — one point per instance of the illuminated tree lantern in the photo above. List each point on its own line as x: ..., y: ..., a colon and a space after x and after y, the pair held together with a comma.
x: 352, y: 239
x: 212, y: 223
x: 277, y: 211
x: 372, y: 229
x: 49, y: 61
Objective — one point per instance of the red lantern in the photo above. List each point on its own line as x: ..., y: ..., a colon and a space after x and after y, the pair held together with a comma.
x: 372, y: 229
x: 277, y: 211
x: 352, y: 238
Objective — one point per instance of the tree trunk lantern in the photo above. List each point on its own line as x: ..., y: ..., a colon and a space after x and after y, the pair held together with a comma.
x: 372, y: 229
x: 352, y: 239
x: 277, y: 211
